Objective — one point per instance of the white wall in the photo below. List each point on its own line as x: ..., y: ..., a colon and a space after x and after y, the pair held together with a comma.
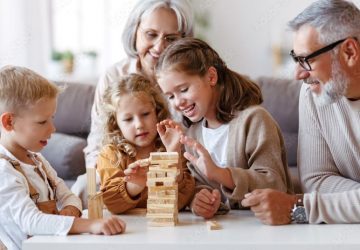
x: 243, y: 31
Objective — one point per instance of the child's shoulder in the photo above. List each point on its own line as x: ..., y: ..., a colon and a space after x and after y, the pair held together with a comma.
x: 111, y: 152
x: 255, y: 114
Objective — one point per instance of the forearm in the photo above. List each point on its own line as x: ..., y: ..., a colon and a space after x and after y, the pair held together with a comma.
x: 341, y: 207
x: 224, y: 177
x: 134, y: 189
x: 80, y: 225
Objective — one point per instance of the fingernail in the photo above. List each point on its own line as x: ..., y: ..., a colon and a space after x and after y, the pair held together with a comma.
x: 247, y: 195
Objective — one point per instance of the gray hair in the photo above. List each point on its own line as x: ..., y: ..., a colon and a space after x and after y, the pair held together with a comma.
x: 333, y: 20
x: 183, y: 12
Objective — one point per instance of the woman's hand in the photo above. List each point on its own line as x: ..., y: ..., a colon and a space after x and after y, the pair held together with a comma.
x: 170, y: 133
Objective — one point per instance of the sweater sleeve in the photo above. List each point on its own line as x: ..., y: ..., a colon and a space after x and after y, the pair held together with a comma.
x: 111, y: 172
x: 317, y: 168
x: 265, y: 165
x: 186, y: 186
x: 343, y: 207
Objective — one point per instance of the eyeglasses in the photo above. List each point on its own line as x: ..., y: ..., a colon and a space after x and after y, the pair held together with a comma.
x: 154, y: 37
x: 304, y: 60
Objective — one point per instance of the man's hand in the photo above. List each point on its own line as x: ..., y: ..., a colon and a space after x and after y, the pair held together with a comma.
x: 206, y: 203
x: 270, y: 206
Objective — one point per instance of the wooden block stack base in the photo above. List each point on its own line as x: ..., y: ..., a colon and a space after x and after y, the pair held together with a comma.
x: 95, y: 206
x: 162, y: 209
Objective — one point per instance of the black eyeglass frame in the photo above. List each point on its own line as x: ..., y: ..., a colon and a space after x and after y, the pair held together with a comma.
x: 304, y: 60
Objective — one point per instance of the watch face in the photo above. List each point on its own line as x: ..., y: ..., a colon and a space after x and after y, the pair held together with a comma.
x: 299, y: 215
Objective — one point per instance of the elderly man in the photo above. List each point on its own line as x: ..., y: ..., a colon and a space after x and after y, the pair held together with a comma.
x: 327, y: 52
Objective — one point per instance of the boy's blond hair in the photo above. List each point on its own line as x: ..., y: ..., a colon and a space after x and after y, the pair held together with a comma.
x: 21, y: 87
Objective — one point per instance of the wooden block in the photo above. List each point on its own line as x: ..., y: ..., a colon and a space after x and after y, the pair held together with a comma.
x: 91, y: 181
x: 160, y: 210
x: 163, y: 156
x: 160, y: 215
x: 172, y: 206
x: 213, y: 225
x: 162, y: 200
x: 163, y: 222
x: 141, y: 163
x: 95, y: 206
x: 162, y: 188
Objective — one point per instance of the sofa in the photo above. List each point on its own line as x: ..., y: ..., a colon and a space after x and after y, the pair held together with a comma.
x: 73, y: 118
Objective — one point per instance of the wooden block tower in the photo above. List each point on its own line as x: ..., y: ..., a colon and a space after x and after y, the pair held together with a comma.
x: 162, y: 208
x: 95, y: 201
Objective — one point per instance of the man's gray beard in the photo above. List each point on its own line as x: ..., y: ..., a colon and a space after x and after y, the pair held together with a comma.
x: 335, y: 88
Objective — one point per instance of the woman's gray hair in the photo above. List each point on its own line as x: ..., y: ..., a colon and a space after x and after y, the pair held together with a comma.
x: 183, y: 12
x: 333, y: 20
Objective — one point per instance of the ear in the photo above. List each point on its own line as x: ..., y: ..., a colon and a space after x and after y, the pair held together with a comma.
x: 7, y: 121
x: 212, y: 76
x: 350, y: 52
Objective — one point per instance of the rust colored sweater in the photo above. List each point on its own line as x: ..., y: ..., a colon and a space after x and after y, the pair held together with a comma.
x: 115, y: 195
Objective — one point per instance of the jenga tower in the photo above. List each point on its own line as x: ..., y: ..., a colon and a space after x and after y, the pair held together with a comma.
x: 162, y: 209
x: 95, y: 201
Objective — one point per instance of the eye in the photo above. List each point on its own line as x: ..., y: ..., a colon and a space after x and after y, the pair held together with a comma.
x: 127, y: 119
x: 151, y: 35
x: 183, y: 90
x: 171, y: 38
x: 145, y: 113
x: 42, y: 122
x: 170, y: 97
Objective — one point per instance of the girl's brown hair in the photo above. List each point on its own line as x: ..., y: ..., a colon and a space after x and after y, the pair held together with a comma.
x: 194, y: 57
x: 138, y: 86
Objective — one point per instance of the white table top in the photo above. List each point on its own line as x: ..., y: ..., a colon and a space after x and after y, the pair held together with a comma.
x: 240, y: 229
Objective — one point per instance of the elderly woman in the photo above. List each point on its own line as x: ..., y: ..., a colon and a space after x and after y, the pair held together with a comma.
x: 151, y: 27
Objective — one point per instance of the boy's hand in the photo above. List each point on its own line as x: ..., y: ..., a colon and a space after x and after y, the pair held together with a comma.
x: 108, y: 226
x: 206, y: 203
x: 170, y: 133
x: 204, y: 162
x: 70, y: 211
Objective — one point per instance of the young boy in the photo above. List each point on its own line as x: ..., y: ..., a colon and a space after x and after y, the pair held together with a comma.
x: 30, y: 191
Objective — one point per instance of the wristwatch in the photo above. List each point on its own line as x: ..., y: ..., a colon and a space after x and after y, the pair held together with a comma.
x: 298, y: 213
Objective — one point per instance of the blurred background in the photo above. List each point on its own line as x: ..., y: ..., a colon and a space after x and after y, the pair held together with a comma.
x: 76, y: 40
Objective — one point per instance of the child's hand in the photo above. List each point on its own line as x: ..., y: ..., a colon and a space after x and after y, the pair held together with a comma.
x: 204, y: 162
x: 135, y: 177
x: 170, y: 133
x: 70, y: 211
x: 136, y: 173
x: 107, y: 226
x: 206, y: 203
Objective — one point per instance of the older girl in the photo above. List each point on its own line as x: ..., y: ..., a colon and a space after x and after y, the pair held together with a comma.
x: 234, y: 145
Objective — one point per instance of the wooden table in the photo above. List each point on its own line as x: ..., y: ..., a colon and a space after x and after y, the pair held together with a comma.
x: 240, y: 231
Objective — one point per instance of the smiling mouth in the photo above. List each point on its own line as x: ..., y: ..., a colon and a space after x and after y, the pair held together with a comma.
x: 189, y: 109
x: 311, y: 82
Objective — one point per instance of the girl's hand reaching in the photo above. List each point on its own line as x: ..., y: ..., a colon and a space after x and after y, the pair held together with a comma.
x: 170, y: 133
x: 204, y: 162
x: 206, y: 165
x: 135, y: 176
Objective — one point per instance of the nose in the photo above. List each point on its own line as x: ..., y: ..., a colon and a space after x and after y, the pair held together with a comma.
x: 160, y: 44
x: 178, y: 102
x: 138, y: 123
x: 301, y: 73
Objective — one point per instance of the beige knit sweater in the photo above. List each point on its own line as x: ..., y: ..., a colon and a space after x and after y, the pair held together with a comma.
x: 329, y: 158
x: 256, y: 155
